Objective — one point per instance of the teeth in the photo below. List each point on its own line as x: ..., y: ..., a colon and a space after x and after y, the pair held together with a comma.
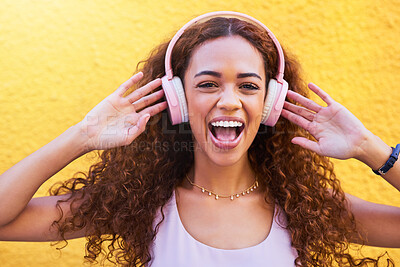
x: 227, y: 124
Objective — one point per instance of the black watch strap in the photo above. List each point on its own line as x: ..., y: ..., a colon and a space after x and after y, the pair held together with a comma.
x: 390, y: 162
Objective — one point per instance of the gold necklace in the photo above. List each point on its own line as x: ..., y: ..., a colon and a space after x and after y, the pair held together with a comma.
x: 232, y: 197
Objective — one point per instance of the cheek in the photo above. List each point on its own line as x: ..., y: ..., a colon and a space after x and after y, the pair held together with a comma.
x: 255, y: 108
x: 254, y: 111
x: 199, y: 104
x: 198, y: 107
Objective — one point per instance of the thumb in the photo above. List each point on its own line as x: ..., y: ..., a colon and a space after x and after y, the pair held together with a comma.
x: 141, y: 125
x: 137, y: 129
x: 307, y: 144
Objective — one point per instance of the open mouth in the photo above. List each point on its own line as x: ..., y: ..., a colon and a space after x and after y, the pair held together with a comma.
x: 226, y: 134
x: 226, y: 130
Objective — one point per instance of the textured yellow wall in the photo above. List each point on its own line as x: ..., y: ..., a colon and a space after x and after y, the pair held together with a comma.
x: 59, y: 58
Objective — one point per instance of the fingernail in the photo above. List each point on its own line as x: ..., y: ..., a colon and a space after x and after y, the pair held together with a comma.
x: 138, y: 74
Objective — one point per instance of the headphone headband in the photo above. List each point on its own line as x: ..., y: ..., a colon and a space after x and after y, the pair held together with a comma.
x: 229, y: 14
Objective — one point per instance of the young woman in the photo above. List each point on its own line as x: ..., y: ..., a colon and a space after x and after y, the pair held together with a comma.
x: 221, y: 190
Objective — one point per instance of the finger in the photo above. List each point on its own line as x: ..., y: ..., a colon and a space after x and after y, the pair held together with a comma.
x: 152, y: 110
x: 129, y: 83
x: 147, y: 100
x: 321, y: 93
x: 305, y: 113
x: 142, y: 91
x: 298, y: 120
x: 137, y: 129
x: 307, y: 144
x: 308, y: 103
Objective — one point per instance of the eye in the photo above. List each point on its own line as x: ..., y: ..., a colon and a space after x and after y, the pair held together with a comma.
x: 249, y: 86
x: 207, y: 85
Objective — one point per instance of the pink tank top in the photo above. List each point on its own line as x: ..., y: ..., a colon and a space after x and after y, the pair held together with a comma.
x: 175, y: 247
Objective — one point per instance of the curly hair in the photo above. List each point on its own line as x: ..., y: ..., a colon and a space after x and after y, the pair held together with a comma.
x: 118, y: 199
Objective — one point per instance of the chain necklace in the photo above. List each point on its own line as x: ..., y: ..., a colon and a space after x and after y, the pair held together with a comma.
x: 232, y: 197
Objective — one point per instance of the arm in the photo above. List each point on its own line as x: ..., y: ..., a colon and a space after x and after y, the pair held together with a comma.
x: 19, y: 215
x: 374, y: 153
x: 339, y: 134
x: 116, y: 121
x: 378, y: 223
x: 35, y: 220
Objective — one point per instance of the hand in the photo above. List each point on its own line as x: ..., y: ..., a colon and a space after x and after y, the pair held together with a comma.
x: 117, y: 121
x: 338, y: 133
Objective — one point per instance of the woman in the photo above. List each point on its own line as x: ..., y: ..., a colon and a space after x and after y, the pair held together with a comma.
x: 219, y: 190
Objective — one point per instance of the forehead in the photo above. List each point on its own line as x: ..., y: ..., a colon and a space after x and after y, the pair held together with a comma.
x: 232, y: 51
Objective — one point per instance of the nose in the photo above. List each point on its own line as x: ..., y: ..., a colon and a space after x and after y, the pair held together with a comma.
x: 229, y: 100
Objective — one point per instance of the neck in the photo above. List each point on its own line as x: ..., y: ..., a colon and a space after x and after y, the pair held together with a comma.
x: 225, y: 180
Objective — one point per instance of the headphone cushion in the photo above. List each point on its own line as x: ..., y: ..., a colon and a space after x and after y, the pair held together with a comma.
x: 180, y: 92
x: 269, y: 100
x: 175, y: 95
x: 274, y: 101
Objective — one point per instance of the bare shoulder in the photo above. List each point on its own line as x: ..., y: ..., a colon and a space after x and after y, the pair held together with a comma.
x: 35, y: 222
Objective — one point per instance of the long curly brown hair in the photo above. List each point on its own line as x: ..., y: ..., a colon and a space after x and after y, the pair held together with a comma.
x: 118, y: 199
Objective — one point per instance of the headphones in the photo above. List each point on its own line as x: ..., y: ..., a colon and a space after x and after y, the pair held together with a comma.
x: 175, y: 93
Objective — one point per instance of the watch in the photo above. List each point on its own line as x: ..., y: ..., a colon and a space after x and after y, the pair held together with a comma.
x: 390, y: 162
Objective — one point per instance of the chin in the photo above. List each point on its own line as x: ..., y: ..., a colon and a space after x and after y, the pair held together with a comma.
x: 226, y: 161
x: 222, y: 157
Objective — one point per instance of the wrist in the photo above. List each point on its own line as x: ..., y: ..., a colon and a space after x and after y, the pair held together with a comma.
x: 80, y: 138
x: 373, y: 151
x: 390, y: 162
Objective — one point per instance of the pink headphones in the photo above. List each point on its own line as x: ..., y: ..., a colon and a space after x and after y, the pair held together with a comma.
x: 175, y: 94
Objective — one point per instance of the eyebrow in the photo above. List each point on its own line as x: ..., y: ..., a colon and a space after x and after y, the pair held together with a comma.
x: 208, y: 72
x: 248, y: 74
x: 219, y: 75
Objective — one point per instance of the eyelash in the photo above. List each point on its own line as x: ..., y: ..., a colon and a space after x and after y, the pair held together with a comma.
x: 207, y: 85
x: 249, y: 86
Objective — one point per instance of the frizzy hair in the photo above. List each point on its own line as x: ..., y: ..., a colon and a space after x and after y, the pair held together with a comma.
x: 118, y: 199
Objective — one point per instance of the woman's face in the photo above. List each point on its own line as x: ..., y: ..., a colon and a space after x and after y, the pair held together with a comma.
x: 225, y: 90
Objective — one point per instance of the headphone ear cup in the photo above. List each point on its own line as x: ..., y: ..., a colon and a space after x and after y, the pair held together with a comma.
x: 175, y: 95
x: 274, y: 101
x: 180, y: 91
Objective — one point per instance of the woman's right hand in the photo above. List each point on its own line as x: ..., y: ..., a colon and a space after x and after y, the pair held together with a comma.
x: 118, y: 120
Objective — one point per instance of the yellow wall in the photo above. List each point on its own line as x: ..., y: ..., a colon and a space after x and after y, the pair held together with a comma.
x: 59, y: 58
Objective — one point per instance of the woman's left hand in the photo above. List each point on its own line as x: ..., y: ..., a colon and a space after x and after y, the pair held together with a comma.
x: 338, y: 133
